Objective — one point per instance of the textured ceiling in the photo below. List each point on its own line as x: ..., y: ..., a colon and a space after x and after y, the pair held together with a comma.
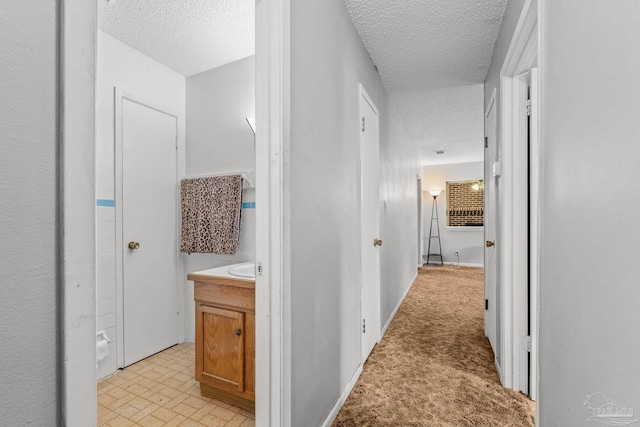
x: 422, y: 47
x: 189, y: 36
x: 432, y: 55
x: 450, y: 119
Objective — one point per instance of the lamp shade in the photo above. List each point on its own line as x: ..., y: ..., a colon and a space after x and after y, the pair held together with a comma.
x: 435, y: 193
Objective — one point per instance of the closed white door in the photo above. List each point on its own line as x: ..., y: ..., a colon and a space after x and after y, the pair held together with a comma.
x: 149, y: 225
x: 490, y: 228
x: 370, y: 290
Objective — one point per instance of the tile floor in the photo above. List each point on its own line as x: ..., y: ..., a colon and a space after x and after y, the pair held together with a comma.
x: 161, y: 391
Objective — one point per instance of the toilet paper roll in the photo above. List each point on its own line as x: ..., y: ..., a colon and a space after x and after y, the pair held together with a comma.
x: 102, y: 350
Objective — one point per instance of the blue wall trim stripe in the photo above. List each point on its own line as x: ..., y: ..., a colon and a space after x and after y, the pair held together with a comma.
x: 106, y: 202
x: 112, y: 203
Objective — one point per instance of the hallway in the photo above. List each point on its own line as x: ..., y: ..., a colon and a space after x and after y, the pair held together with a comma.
x: 434, y: 366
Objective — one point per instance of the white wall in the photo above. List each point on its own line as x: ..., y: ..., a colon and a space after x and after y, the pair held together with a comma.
x: 119, y: 65
x: 220, y: 140
x: 589, y: 293
x: 399, y: 219
x: 322, y: 169
x: 122, y: 66
x: 468, y: 240
x: 28, y: 223
x: 218, y: 103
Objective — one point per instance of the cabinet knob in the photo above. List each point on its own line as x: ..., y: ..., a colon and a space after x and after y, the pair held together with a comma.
x: 238, y: 332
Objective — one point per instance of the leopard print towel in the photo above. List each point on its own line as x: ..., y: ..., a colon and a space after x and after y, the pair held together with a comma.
x: 211, y: 214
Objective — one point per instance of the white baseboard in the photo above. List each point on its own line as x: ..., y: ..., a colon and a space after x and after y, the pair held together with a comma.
x: 395, y: 310
x: 465, y: 264
x: 343, y: 397
x: 499, y: 369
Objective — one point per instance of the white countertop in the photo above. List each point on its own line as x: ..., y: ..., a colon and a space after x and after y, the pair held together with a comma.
x: 224, y: 272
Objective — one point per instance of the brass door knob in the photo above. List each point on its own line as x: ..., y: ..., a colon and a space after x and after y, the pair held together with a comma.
x: 134, y: 245
x: 490, y: 243
x: 377, y: 242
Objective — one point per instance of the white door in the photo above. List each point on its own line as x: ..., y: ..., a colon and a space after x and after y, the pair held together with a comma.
x: 490, y: 227
x: 149, y: 219
x: 370, y: 288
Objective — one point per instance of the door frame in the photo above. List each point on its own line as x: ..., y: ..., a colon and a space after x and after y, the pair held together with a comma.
x: 77, y: 394
x: 420, y: 218
x: 120, y: 95
x: 521, y: 56
x: 77, y: 328
x: 273, y: 279
x: 534, y: 232
x: 362, y: 94
x: 488, y: 167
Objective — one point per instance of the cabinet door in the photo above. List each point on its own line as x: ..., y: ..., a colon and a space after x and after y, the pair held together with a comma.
x: 220, y: 347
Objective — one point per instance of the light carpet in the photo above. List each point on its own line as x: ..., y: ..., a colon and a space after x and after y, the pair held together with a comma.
x: 434, y: 366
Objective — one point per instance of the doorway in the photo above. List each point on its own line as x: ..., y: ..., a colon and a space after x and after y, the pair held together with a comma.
x: 370, y: 214
x: 491, y: 220
x: 518, y: 209
x: 140, y: 146
x: 77, y: 123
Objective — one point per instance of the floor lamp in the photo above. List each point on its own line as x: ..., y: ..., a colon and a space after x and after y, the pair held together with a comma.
x: 434, y: 217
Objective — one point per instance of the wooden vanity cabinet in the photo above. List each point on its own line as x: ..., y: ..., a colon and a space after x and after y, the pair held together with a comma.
x: 225, y: 339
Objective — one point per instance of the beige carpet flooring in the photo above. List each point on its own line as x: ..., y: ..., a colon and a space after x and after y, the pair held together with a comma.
x: 434, y: 366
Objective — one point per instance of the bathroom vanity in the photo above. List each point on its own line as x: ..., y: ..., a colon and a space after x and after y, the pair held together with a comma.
x: 225, y: 335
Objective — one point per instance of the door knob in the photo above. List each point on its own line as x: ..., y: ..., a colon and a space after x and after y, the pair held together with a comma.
x: 133, y: 245
x: 377, y: 242
x: 490, y: 243
x: 238, y: 332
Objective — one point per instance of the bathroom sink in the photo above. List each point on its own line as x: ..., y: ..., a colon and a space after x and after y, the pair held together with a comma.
x: 246, y: 270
